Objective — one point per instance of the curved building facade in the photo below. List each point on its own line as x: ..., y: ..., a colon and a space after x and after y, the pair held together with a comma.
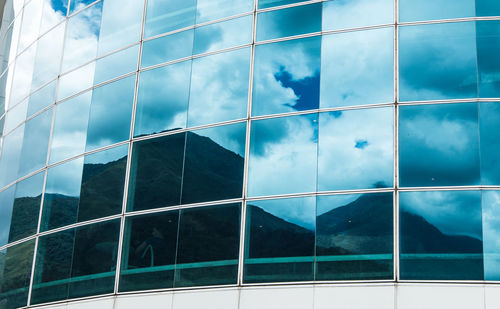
x: 250, y: 154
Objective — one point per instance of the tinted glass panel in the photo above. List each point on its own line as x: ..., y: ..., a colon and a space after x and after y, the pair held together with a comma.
x: 219, y: 87
x: 167, y: 48
x: 356, y: 149
x: 435, y: 9
x: 209, y: 9
x: 76, y: 81
x: 10, y: 155
x: 213, y: 264
x: 42, y: 98
x: 6, y: 205
x: 437, y: 61
x: 283, y: 155
x: 489, y: 124
x: 117, y: 64
x: 341, y: 14
x: 438, y: 145
x: 354, y: 237
x: 270, y: 3
x: 491, y: 234
x: 280, y: 240
x: 357, y: 68
x: 156, y: 172
x: 162, y: 100
x: 441, y: 235
x: 286, y: 76
x: 110, y: 113
x: 222, y: 35
x: 488, y: 49
x: 167, y: 15
x: 149, y: 252
x: 213, y: 166
x: 487, y: 8
x: 288, y: 22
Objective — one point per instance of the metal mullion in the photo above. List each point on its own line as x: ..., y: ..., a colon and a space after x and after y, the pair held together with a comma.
x: 395, y: 195
x: 286, y: 6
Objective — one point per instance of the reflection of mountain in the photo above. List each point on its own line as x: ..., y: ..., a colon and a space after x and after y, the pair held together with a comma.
x: 2, y: 263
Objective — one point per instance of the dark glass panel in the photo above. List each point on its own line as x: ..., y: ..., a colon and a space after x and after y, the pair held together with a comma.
x: 288, y: 22
x: 214, y: 162
x: 488, y: 49
x: 167, y: 48
x: 208, y: 246
x: 342, y: 14
x: 117, y: 64
x: 167, y: 15
x: 279, y: 244
x: 10, y: 155
x: 149, y: 250
x: 487, y: 8
x: 103, y: 180
x: 207, y: 10
x: 15, y: 271
x: 42, y: 98
x: 439, y: 145
x: 437, y: 61
x: 491, y: 234
x: 410, y: 10
x: 489, y: 135
x: 6, y: 204
x: 354, y: 237
x: 270, y: 3
x: 286, y: 76
x: 441, y: 235
x: 223, y: 35
x: 156, y: 172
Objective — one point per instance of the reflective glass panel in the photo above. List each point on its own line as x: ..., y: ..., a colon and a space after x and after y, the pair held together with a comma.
x: 222, y: 35
x: 148, y: 256
x: 76, y: 81
x: 103, y: 180
x: 15, y: 270
x: 341, y: 14
x: 208, y: 246
x: 76, y: 5
x: 491, y: 234
x: 62, y: 194
x: 488, y: 49
x: 162, y: 100
x: 21, y: 82
x: 167, y: 15
x: 32, y: 14
x: 120, y: 29
x: 440, y: 235
x: 219, y: 87
x: 438, y: 145
x: 354, y: 237
x: 283, y: 155
x: 15, y: 116
x: 286, y: 76
x: 489, y: 130
x: 110, y: 113
x: 167, y: 48
x: 356, y: 149
x: 437, y: 61
x: 357, y: 68
x: 207, y: 10
x: 70, y: 128
x: 288, y: 22
x: 54, y: 11
x: 35, y: 143
x: 117, y: 64
x: 10, y: 155
x: 42, y: 98
x: 6, y: 204
x: 213, y: 166
x: 487, y: 8
x: 270, y: 3
x: 410, y: 10
x: 280, y: 240
x: 156, y: 172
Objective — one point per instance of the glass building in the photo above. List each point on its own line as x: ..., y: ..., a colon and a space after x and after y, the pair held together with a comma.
x: 249, y: 154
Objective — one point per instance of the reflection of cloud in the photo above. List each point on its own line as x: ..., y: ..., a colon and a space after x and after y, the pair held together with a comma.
x: 488, y: 49
x: 10, y: 155
x: 209, y: 10
x: 117, y: 64
x: 108, y: 155
x: 53, y: 12
x: 230, y: 137
x: 76, y: 81
x: 435, y: 9
x: 489, y: 124
x: 31, y: 24
x: 491, y: 234
x: 341, y: 14
x: 21, y: 83
x: 66, y: 178
x: 300, y: 211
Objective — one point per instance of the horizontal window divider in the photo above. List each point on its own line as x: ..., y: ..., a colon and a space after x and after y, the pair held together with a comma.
x: 114, y: 79
x: 321, y: 193
x: 346, y: 30
x: 17, y: 242
x: 445, y: 21
x: 289, y: 38
x: 450, y: 101
x: 22, y: 178
x: 79, y: 224
x: 450, y: 188
x: 286, y: 6
x: 82, y: 9
x: 73, y: 300
x: 118, y: 50
x: 179, y: 289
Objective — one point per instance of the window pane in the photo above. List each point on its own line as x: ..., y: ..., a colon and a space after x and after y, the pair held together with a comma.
x: 7, y: 204
x: 222, y: 35
x: 110, y: 113
x: 356, y: 149
x: 15, y: 116
x: 21, y: 82
x: 31, y: 23
x: 167, y: 48
x: 42, y: 98
x: 410, y: 10
x: 488, y: 49
x: 354, y: 237
x: 156, y: 172
x: 213, y: 264
x: 487, y: 8
x: 148, y: 256
x: 280, y: 240
x: 213, y: 168
x: 11, y: 153
x: 438, y: 145
x: 286, y: 76
x: 489, y: 125
x: 270, y: 3
x: 117, y: 64
x: 342, y: 14
x: 441, y: 235
x: 78, y: 80
x: 491, y: 234
x: 162, y: 100
x: 437, y: 61
x: 54, y: 11
x: 219, y: 87
x: 207, y: 10
x: 167, y: 15
x: 357, y: 68
x: 288, y: 22
x: 76, y: 5
x: 283, y: 155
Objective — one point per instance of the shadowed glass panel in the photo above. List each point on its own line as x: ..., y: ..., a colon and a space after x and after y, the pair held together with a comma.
x: 489, y: 130
x: 289, y: 21
x: 10, y: 156
x: 75, y: 81
x: 162, y: 100
x: 207, y: 10
x: 438, y: 145
x: 270, y: 3
x: 357, y: 68
x: 208, y: 246
x: 441, y: 235
x: 354, y: 237
x: 42, y: 98
x: 487, y: 8
x: 6, y: 205
x: 15, y: 270
x: 491, y: 234
x: 437, y: 61
x: 286, y: 76
x: 219, y: 88
x: 356, y: 149
x: 410, y: 10
x: 149, y: 250
x: 156, y: 172
x: 53, y: 12
x: 488, y: 49
x: 110, y: 113
x: 167, y: 15
x: 341, y: 14
x: 283, y: 155
x: 279, y: 244
x: 213, y: 165
x: 167, y: 48
x: 223, y: 35
x: 117, y: 64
